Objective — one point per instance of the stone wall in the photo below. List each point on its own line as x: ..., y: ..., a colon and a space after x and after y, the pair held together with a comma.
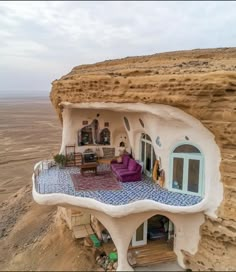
x: 200, y: 82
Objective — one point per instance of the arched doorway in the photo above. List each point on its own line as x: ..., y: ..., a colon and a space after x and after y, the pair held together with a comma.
x: 147, y: 154
x: 153, y: 241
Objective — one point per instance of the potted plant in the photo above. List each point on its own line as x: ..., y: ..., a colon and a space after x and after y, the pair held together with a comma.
x: 60, y: 159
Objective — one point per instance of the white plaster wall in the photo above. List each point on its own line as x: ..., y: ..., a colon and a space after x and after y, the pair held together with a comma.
x: 173, y: 132
x: 186, y: 233
x: 187, y: 220
x: 169, y: 123
x: 116, y: 219
x: 121, y: 136
x: 72, y: 123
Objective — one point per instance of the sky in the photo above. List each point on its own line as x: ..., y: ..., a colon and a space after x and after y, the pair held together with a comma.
x: 42, y: 41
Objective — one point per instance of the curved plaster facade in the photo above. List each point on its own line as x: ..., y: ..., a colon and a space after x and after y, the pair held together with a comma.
x: 187, y: 221
x: 172, y: 126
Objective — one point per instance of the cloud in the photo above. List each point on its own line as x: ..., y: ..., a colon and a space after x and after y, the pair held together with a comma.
x: 47, y: 39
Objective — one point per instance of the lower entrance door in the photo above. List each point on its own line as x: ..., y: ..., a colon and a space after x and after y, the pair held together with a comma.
x: 140, y: 236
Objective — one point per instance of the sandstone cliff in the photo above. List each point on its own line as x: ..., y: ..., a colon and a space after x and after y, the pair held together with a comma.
x: 200, y: 82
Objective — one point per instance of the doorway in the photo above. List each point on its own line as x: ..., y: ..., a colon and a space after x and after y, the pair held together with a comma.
x: 147, y: 155
x: 153, y: 242
x: 140, y: 236
x: 157, y: 227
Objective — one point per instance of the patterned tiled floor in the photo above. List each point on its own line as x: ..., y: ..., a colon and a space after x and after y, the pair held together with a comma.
x: 57, y: 180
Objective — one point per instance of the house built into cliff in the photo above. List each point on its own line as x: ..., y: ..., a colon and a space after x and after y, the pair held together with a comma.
x: 166, y: 111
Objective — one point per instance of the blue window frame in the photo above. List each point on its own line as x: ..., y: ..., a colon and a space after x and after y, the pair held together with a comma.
x: 186, y: 169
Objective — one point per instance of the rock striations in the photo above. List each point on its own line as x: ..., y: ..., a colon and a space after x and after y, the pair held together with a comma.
x: 202, y: 83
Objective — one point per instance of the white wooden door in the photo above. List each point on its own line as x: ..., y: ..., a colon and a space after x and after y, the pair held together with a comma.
x: 140, y: 236
x: 147, y: 154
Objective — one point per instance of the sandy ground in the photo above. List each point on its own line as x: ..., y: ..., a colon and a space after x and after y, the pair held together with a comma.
x: 31, y: 235
x: 29, y: 132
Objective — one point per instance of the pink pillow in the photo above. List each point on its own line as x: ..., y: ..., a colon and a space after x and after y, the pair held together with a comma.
x: 132, y: 165
x: 119, y: 160
x: 125, y: 160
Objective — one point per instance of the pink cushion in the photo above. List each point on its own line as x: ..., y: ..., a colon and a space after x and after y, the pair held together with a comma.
x: 116, y: 166
x: 119, y: 160
x: 132, y: 165
x: 125, y: 160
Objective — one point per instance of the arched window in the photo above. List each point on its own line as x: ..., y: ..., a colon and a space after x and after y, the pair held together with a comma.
x: 105, y: 136
x: 187, y: 169
x: 88, y: 135
x: 141, y: 122
x: 127, y: 123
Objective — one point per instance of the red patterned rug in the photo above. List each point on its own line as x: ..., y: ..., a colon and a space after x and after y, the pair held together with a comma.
x: 104, y: 180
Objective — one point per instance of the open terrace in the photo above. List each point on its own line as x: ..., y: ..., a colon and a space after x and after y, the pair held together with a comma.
x: 56, y: 180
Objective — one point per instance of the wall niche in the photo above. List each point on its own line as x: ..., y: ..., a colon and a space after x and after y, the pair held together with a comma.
x: 93, y: 135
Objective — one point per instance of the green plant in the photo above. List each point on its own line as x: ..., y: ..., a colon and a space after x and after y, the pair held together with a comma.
x: 60, y: 159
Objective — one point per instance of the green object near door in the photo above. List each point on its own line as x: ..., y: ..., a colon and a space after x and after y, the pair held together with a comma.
x: 95, y: 240
x: 113, y: 256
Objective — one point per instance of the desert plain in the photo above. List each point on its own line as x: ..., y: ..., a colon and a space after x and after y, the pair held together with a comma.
x: 32, y: 237
x: 29, y: 132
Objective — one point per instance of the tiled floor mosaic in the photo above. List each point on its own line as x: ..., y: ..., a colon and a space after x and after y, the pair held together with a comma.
x: 57, y: 180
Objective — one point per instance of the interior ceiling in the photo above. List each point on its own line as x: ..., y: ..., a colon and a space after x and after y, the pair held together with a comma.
x: 163, y: 116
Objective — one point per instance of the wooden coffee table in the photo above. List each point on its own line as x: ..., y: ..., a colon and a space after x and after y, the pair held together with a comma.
x: 90, y: 167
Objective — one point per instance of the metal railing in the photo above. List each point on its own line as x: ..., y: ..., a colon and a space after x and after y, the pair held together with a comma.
x: 49, y: 188
x: 54, y: 188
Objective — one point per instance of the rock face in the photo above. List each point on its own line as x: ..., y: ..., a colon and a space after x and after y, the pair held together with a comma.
x: 200, y: 82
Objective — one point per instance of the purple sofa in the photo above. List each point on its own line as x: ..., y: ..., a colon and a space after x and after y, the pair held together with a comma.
x: 127, y: 170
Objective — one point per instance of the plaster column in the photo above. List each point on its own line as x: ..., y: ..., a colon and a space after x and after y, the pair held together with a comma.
x: 121, y: 231
x: 67, y: 131
x: 187, y: 234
